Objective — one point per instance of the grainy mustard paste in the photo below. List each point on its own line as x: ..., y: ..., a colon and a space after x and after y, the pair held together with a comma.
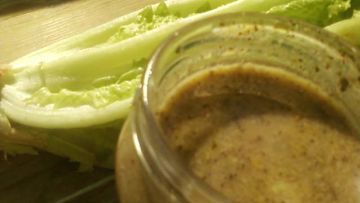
x: 262, y: 137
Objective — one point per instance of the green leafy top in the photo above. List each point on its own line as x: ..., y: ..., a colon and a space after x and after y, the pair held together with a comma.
x: 147, y: 19
x: 318, y: 12
x: 99, y: 97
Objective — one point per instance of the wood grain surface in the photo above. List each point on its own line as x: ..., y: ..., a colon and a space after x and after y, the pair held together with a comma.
x: 25, y: 26
x: 37, y: 25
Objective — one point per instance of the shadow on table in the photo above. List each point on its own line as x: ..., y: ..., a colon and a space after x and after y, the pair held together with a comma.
x: 47, y: 178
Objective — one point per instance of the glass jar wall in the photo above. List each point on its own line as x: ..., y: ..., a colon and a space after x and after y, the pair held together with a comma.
x: 148, y: 167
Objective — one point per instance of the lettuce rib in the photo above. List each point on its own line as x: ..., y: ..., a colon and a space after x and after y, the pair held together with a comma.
x: 78, y: 70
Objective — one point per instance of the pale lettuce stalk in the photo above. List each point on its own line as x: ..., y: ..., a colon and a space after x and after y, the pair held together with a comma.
x: 71, y: 97
x: 349, y: 28
x: 79, y: 70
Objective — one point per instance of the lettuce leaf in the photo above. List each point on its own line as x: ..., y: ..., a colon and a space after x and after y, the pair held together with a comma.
x: 318, y: 12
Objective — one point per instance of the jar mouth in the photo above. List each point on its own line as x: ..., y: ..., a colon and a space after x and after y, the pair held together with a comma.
x: 152, y: 148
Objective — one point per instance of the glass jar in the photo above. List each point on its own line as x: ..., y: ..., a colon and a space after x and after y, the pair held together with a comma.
x: 147, y: 169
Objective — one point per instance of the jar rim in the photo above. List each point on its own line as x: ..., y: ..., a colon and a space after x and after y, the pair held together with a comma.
x: 322, y: 37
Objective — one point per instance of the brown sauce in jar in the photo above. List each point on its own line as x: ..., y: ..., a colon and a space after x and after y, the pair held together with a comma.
x: 259, y: 135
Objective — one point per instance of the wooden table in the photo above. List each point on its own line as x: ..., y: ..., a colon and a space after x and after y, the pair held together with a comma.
x: 25, y: 27
x: 39, y: 24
